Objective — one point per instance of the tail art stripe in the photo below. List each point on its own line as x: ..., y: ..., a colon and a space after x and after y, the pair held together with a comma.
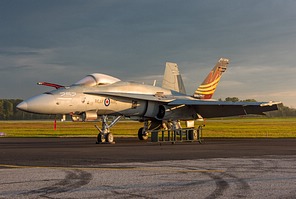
x: 210, y: 84
x: 209, y: 88
x: 205, y: 93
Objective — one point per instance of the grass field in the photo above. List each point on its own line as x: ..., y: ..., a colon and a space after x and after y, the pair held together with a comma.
x: 222, y: 128
x: 251, y: 128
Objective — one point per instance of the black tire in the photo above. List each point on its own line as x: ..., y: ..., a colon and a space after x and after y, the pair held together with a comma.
x: 100, y: 138
x: 109, y: 137
x: 142, y: 135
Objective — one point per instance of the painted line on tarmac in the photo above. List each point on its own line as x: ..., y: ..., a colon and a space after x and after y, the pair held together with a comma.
x: 166, y: 169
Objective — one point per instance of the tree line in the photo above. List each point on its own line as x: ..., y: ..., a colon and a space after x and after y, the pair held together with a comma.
x: 8, y: 110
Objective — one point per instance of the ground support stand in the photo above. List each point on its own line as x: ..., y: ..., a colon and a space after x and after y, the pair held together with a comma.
x: 177, y: 135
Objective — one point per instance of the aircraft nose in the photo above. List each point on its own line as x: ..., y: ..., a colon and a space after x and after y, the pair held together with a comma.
x: 22, y: 106
x: 42, y: 104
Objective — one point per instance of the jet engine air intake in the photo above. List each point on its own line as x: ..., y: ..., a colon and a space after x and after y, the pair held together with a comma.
x: 161, y: 112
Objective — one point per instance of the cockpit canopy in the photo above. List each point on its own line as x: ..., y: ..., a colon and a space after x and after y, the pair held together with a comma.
x: 97, y: 79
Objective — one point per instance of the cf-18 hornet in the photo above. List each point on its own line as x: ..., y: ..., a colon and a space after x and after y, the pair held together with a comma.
x: 101, y: 96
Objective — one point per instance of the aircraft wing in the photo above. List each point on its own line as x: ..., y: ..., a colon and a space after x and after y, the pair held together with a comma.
x: 210, y: 109
x: 156, y: 97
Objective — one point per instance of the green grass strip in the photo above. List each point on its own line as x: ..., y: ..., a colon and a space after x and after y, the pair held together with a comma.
x: 215, y: 128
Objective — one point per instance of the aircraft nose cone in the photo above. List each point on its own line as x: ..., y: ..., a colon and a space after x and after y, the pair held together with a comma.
x: 41, y: 104
x: 22, y: 106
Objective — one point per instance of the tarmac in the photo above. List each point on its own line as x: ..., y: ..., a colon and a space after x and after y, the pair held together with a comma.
x: 79, y: 168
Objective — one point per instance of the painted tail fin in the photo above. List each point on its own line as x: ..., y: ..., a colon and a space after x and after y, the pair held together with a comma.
x: 172, y: 79
x: 207, y: 88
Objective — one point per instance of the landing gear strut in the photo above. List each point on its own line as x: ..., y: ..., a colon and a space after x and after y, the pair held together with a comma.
x: 105, y: 136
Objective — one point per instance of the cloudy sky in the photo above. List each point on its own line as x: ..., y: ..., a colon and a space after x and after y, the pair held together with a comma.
x: 61, y: 41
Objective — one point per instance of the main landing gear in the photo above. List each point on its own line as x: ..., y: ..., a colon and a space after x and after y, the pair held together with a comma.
x: 148, y: 126
x: 105, y: 136
x: 142, y: 134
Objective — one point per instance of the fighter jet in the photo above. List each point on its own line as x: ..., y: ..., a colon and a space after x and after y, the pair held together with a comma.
x: 102, y: 96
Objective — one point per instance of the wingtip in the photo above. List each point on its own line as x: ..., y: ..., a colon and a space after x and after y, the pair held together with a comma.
x: 271, y: 103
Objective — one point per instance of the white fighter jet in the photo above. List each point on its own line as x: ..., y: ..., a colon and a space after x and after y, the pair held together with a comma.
x: 99, y: 95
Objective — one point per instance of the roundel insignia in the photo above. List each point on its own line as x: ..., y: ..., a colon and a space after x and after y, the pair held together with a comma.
x: 107, y: 101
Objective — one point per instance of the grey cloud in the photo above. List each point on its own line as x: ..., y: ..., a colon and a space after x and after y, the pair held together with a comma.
x: 17, y: 53
x: 65, y: 40
x: 15, y: 68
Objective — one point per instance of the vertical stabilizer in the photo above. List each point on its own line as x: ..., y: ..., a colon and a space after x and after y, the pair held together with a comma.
x: 172, y: 79
x: 207, y: 88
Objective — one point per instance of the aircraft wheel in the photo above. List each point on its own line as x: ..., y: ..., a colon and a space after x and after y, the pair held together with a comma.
x: 142, y: 135
x: 109, y: 137
x: 100, y: 138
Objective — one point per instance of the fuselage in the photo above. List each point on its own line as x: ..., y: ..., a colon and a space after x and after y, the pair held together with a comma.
x: 73, y: 100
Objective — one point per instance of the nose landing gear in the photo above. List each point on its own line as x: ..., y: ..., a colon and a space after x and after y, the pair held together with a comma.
x: 105, y: 136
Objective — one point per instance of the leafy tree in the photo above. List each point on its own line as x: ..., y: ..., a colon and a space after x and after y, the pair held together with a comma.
x: 249, y: 100
x: 231, y: 99
x: 1, y: 110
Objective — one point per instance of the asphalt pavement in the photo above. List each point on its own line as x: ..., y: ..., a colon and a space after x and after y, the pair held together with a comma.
x: 79, y: 168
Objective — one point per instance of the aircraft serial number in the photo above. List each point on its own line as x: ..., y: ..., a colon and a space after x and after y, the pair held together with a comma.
x: 72, y: 94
